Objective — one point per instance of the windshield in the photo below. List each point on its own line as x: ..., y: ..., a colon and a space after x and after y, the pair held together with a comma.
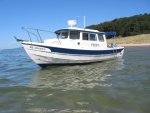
x: 62, y: 34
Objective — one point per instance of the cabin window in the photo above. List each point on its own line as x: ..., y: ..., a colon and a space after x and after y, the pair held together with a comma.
x: 74, y: 35
x: 64, y: 34
x: 92, y: 37
x: 85, y: 36
x: 100, y: 37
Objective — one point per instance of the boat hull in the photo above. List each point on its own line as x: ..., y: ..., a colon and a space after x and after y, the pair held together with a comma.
x: 45, y: 55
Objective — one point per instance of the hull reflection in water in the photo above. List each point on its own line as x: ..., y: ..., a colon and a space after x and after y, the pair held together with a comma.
x: 76, y: 77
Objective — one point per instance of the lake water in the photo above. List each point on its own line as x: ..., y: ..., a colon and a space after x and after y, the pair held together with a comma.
x: 116, y: 86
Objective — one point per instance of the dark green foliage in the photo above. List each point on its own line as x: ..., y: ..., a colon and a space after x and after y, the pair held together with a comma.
x: 127, y: 26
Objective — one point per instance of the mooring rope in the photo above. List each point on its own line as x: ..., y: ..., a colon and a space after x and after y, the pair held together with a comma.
x: 7, y: 46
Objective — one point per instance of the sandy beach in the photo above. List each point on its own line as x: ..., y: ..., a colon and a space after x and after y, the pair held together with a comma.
x: 148, y: 44
x: 138, y: 40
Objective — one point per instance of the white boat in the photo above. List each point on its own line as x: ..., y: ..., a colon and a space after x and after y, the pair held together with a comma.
x: 72, y: 45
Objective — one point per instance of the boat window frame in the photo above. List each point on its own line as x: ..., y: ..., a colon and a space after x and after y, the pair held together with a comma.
x: 102, y: 38
x: 88, y: 37
x: 59, y: 34
x: 76, y: 38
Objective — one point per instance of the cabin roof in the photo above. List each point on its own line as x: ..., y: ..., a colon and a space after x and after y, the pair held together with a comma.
x: 78, y: 29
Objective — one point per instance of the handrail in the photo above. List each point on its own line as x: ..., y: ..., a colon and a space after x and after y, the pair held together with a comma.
x: 25, y: 29
x: 37, y: 36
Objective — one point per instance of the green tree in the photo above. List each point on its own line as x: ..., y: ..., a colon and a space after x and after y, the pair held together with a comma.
x: 126, y: 26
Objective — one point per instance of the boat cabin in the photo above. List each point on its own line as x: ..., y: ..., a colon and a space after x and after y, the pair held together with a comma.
x: 82, y: 37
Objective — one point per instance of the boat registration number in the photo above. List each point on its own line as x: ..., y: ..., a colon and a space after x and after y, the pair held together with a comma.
x: 40, y: 48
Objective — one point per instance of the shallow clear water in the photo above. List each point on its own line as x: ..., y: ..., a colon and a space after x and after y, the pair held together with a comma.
x: 116, y: 86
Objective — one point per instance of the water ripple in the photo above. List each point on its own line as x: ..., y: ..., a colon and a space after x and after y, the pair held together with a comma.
x: 73, y: 77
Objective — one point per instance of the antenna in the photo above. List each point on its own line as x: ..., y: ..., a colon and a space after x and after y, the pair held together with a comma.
x: 84, y: 21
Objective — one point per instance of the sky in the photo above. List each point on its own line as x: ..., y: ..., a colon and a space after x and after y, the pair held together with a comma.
x: 54, y: 14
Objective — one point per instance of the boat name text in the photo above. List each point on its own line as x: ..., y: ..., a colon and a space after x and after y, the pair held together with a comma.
x: 94, y: 45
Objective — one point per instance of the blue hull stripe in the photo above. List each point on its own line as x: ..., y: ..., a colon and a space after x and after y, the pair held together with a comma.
x: 84, y: 52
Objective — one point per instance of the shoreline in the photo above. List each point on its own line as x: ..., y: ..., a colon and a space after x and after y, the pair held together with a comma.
x: 126, y: 45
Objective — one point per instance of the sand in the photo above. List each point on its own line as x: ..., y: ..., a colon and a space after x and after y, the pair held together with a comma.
x: 148, y: 44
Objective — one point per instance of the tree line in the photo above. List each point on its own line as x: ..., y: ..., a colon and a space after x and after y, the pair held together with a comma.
x: 127, y: 26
